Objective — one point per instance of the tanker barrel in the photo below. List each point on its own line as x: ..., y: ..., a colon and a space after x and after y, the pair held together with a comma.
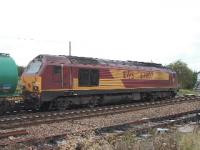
x: 8, y: 75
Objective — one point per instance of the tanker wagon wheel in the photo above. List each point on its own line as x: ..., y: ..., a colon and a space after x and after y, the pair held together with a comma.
x: 4, y: 107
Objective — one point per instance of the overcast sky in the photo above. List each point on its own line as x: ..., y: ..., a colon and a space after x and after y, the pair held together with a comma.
x: 161, y: 31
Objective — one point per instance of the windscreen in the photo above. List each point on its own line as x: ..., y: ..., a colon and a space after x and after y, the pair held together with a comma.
x: 33, y: 67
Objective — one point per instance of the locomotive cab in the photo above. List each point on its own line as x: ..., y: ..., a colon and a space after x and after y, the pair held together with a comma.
x: 31, y: 80
x: 42, y: 77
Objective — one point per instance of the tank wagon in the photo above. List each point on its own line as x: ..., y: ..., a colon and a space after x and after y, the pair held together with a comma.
x: 8, y: 79
x: 57, y: 82
x: 8, y: 75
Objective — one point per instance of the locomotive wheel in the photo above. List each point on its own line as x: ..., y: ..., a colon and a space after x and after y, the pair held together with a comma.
x: 95, y: 101
x: 93, y: 104
x: 62, y: 103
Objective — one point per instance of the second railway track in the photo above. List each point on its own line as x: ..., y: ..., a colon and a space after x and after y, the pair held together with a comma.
x: 138, y: 127
x: 23, y: 120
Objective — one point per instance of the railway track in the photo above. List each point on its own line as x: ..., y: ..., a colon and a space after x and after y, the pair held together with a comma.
x: 143, y: 125
x: 137, y: 127
x: 13, y: 133
x: 24, y: 120
x: 19, y: 108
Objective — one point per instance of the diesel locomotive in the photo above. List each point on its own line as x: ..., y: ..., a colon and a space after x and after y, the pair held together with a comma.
x: 58, y: 82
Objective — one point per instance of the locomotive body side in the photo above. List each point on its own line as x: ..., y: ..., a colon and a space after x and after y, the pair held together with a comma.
x: 59, y: 77
x: 118, y: 78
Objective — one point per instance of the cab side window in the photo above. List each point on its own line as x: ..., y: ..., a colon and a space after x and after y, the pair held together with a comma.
x: 57, y: 69
x: 56, y: 73
x: 88, y: 77
x: 94, y: 77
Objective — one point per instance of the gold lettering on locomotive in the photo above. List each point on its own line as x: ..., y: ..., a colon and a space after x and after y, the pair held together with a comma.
x: 138, y: 75
x: 128, y: 75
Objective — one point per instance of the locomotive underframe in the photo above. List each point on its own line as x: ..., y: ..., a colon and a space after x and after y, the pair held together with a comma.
x: 65, y: 99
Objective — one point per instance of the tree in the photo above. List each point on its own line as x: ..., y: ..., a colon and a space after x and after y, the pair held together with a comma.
x: 186, y: 77
x: 194, y: 78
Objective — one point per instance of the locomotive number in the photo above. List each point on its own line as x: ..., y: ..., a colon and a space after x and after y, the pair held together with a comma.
x: 138, y: 75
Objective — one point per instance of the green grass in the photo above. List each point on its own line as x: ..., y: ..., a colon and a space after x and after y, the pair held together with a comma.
x: 190, y: 141
x: 186, y: 92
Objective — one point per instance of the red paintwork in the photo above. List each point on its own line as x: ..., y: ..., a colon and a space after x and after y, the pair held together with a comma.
x: 52, y: 81
x: 105, y: 74
x: 145, y: 83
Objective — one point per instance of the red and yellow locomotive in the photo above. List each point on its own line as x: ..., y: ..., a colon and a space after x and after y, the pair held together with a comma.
x: 57, y: 82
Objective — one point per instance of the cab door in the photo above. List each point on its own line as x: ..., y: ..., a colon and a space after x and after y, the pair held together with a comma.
x: 60, y: 77
x: 56, y: 77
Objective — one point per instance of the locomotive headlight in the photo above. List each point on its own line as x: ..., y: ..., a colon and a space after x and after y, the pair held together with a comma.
x: 35, y: 86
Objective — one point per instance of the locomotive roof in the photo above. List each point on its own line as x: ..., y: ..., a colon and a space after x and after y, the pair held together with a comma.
x: 97, y: 61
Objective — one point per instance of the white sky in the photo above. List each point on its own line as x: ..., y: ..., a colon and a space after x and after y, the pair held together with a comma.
x: 142, y: 30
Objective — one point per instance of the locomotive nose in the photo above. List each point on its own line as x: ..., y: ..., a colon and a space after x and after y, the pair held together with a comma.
x: 31, y: 83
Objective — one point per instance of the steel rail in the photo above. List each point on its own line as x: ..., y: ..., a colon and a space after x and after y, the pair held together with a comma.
x: 157, y: 122
x: 51, y: 117
x: 13, y: 133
